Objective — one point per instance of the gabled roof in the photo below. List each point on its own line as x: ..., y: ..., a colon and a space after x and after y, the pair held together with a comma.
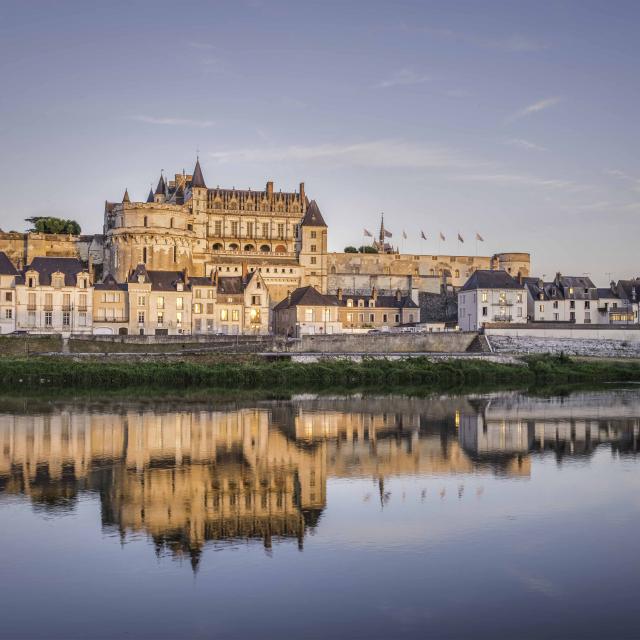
x: 486, y: 279
x: 110, y: 284
x: 607, y: 293
x: 628, y: 288
x: 140, y: 270
x: 313, y: 217
x: 46, y: 266
x: 309, y: 297
x: 202, y: 281
x: 6, y: 266
x: 197, y: 179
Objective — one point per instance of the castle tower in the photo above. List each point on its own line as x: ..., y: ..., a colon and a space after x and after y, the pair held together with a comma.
x: 312, y: 255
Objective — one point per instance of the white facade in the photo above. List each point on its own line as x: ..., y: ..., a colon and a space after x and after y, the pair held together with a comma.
x: 476, y: 307
x: 7, y: 304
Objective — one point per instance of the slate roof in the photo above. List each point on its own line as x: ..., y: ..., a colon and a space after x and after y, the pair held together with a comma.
x: 486, y: 279
x: 230, y: 285
x: 110, y: 284
x: 162, y: 187
x: 46, y: 266
x: 198, y: 179
x: 126, y: 198
x: 202, y: 281
x: 165, y: 280
x: 313, y: 217
x: 150, y: 197
x: 307, y: 296
x: 6, y: 266
x: 627, y: 288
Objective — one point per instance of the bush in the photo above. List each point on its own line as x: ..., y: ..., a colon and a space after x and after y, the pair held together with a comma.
x: 350, y: 249
x: 54, y: 225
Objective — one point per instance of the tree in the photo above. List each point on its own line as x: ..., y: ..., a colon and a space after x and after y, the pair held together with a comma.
x: 44, y: 224
x: 367, y: 249
x: 350, y: 249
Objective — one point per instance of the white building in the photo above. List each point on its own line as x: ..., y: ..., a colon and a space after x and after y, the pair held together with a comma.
x: 491, y: 296
x: 8, y: 274
x: 54, y: 295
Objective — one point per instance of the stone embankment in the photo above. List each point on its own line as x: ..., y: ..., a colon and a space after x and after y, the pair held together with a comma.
x: 523, y: 345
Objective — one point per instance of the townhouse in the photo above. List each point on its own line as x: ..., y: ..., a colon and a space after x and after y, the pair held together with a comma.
x: 8, y: 275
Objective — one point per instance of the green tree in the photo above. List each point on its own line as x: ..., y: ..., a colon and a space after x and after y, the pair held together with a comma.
x: 350, y: 249
x: 49, y: 224
x: 367, y: 249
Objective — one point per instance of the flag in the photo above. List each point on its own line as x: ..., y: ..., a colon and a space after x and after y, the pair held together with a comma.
x: 422, y: 235
x: 404, y: 234
x: 368, y: 233
x: 442, y: 236
x: 388, y: 234
x: 479, y: 237
x: 460, y: 238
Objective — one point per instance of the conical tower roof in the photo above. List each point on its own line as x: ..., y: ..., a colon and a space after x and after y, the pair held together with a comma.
x: 162, y: 187
x: 150, y: 196
x: 313, y: 217
x: 198, y: 178
x: 125, y: 198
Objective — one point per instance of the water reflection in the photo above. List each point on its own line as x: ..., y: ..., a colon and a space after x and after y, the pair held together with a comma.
x: 191, y: 475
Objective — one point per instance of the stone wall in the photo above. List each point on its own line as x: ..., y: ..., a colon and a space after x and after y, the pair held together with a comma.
x: 624, y: 333
x: 438, y: 307
x: 385, y: 343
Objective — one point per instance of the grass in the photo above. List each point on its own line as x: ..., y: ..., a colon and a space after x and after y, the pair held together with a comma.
x: 41, y: 373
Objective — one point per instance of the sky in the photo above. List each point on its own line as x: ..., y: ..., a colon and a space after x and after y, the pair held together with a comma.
x: 515, y: 120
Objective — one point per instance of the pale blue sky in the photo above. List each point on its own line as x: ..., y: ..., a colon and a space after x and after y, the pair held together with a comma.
x: 518, y: 120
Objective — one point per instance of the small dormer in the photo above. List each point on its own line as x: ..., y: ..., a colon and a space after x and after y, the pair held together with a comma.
x: 57, y: 280
x: 32, y: 279
x: 179, y: 286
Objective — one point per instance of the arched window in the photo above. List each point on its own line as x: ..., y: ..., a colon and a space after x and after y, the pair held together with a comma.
x: 233, y: 246
x: 249, y: 247
x: 217, y: 246
x: 265, y: 248
x: 145, y: 221
x: 281, y: 248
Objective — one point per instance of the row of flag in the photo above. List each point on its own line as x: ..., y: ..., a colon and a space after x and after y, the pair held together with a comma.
x: 423, y: 235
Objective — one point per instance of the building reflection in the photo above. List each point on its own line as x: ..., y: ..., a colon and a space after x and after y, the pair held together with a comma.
x: 196, y: 475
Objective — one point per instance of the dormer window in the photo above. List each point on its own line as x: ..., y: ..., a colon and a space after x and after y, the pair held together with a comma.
x: 361, y: 303
x: 372, y: 303
x: 179, y: 286
x: 349, y: 302
x: 58, y: 282
x: 31, y: 282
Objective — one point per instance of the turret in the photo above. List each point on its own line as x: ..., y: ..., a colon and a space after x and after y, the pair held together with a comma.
x: 160, y: 195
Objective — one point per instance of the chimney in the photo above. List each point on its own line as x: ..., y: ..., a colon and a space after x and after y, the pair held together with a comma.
x: 398, y: 295
x: 374, y: 294
x: 289, y: 297
x: 302, y: 195
x: 245, y: 270
x: 339, y: 293
x: 270, y: 189
x: 558, y: 276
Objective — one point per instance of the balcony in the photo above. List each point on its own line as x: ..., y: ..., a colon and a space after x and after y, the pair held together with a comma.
x: 503, y: 318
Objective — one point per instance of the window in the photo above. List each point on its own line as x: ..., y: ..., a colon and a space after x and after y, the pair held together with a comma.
x: 160, y: 302
x: 313, y: 248
x: 308, y: 314
x: 256, y: 300
x: 234, y: 228
x: 82, y: 318
x: 361, y: 303
x: 66, y: 301
x: 140, y: 317
x: 145, y: 221
x: 8, y: 296
x: 349, y: 302
x: 48, y: 300
x: 280, y: 230
x: 397, y: 317
x: 361, y: 317
x: 31, y: 318
x: 198, y: 325
x: 572, y: 304
x: 180, y: 303
x: 587, y: 317
x: 265, y: 229
x: 502, y: 298
x: 210, y: 308
x: 541, y: 308
x: 570, y: 291
x: 48, y: 318
x: 372, y: 304
x: 31, y: 283
x: 556, y: 316
x: 250, y: 229
x: 58, y: 282
x: 313, y: 260
x: 224, y: 315
x: 178, y: 317
x: 349, y: 317
x: 197, y: 308
x: 235, y: 315
x: 217, y: 228
x: 587, y: 304
x: 313, y: 235
x: 141, y: 301
x: 457, y: 273
x: 8, y: 314
x: 485, y: 296
x: 485, y: 311
x: 384, y: 317
x: 160, y: 317
x: 32, y: 300
x: 144, y: 254
x: 519, y: 312
x: 372, y: 317
x: 519, y: 297
x: 198, y: 293
x: 255, y: 316
x: 555, y: 305
x: 82, y: 303
x: 572, y: 316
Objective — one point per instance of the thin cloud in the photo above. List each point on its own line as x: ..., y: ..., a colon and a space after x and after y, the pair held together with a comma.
x: 403, y: 78
x: 521, y: 143
x: 172, y: 122
x: 524, y: 180
x: 623, y: 175
x: 541, y: 105
x: 201, y: 46
x: 373, y: 154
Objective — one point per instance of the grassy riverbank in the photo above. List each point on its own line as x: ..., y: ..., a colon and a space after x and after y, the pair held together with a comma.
x: 62, y: 373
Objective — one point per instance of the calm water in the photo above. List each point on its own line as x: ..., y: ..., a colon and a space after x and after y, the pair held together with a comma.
x: 485, y: 516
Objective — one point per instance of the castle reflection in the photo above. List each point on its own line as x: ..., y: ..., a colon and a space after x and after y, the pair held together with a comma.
x: 192, y: 474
